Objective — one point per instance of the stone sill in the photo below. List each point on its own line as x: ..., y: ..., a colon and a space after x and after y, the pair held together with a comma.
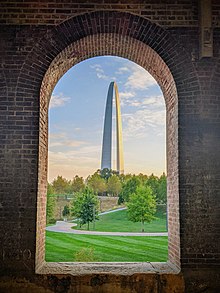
x: 117, y: 268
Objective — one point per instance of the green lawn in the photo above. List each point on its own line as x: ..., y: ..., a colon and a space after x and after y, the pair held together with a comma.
x: 61, y: 247
x: 118, y: 222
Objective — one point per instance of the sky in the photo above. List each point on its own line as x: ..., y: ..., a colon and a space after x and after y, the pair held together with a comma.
x: 76, y: 119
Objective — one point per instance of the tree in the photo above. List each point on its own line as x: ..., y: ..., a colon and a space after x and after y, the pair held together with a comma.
x: 61, y: 185
x: 128, y: 188
x: 152, y: 181
x: 114, y: 185
x: 85, y: 206
x: 97, y: 183
x: 66, y: 211
x: 159, y: 187
x: 142, y: 206
x: 162, y: 189
x: 51, y: 204
x: 77, y: 184
x: 105, y: 173
x: 142, y: 177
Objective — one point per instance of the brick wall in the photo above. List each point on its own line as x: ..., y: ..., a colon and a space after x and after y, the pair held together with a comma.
x: 33, y: 58
x: 184, y: 13
x: 165, y: 13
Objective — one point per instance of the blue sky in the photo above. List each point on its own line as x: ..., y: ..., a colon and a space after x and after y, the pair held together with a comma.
x: 76, y: 117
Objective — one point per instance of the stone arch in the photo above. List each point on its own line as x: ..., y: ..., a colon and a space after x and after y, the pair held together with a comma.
x: 128, y: 36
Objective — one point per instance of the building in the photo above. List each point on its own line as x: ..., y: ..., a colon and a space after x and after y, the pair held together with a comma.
x: 178, y: 42
x: 106, y: 161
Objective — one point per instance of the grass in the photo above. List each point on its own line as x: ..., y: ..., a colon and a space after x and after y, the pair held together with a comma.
x: 61, y: 247
x: 118, y: 222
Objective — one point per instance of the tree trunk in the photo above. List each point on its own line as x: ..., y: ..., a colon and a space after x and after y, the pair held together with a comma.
x: 88, y: 226
x: 142, y: 224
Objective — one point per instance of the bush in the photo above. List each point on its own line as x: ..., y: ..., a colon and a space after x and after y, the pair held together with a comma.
x: 52, y: 221
x: 85, y: 254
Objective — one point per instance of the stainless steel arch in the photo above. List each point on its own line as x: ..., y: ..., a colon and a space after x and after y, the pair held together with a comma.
x: 107, y: 134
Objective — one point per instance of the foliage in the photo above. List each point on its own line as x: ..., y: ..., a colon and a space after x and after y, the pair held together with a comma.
x: 50, y: 190
x: 114, y: 185
x: 85, y: 254
x: 162, y: 189
x: 61, y: 185
x: 109, y: 181
x: 77, y: 184
x: 142, y: 205
x: 105, y: 173
x: 66, y: 211
x: 128, y: 188
x: 118, y: 221
x: 142, y: 177
x: 97, y: 183
x: 158, y: 186
x: 51, y: 205
x: 84, y: 206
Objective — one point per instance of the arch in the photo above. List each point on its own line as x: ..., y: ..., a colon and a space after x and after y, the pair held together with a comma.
x: 107, y: 132
x: 124, y: 35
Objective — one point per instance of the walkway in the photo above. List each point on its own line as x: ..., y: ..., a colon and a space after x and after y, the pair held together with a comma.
x: 65, y: 227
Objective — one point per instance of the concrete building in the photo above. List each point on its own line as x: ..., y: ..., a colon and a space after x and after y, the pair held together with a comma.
x: 106, y: 161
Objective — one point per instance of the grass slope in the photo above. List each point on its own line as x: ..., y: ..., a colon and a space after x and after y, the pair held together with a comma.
x: 61, y: 247
x: 118, y: 222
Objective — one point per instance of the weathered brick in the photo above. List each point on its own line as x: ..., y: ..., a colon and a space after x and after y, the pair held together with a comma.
x: 34, y: 57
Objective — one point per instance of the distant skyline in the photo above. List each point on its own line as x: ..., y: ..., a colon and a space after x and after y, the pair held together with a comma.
x: 76, y: 119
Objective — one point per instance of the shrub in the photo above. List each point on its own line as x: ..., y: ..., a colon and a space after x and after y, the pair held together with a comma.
x: 85, y: 254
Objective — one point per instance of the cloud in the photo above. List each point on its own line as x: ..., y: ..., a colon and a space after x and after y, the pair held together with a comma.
x: 139, y: 79
x: 138, y: 124
x: 99, y: 71
x: 122, y: 70
x: 58, y: 100
x: 135, y: 100
x: 125, y: 97
x: 67, y: 143
x: 62, y: 140
x: 59, y: 135
x: 83, y: 157
x: 154, y: 101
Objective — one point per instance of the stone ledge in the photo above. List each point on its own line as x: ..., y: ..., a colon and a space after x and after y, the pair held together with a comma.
x: 117, y: 268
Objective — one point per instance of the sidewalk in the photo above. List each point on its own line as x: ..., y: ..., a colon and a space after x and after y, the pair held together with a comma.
x: 65, y: 227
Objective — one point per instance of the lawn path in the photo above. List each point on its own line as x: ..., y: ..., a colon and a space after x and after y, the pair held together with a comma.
x: 112, y: 211
x: 65, y: 227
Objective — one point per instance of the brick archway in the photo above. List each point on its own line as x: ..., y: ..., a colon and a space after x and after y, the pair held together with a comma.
x: 125, y: 35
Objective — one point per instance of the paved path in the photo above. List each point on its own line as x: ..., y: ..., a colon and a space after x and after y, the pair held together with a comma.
x: 65, y: 227
x: 112, y: 211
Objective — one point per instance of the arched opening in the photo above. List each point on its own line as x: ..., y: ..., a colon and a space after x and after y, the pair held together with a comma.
x: 145, y: 56
x: 76, y: 114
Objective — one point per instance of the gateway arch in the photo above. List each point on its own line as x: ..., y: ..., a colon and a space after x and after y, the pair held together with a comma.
x: 107, y: 133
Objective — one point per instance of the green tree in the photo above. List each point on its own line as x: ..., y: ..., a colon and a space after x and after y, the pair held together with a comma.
x: 61, y: 185
x: 105, y: 173
x: 51, y: 204
x: 142, y: 206
x: 66, y: 211
x: 162, y: 189
x: 114, y: 185
x: 77, y: 184
x: 142, y: 177
x: 128, y: 188
x: 152, y: 181
x: 84, y: 206
x: 97, y: 184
